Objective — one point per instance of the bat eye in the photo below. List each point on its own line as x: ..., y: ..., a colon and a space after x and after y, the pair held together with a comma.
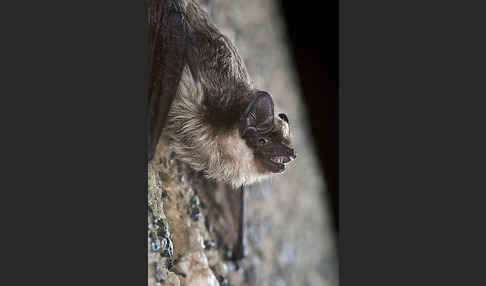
x: 262, y: 141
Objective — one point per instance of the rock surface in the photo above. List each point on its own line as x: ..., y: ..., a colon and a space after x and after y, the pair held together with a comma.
x: 289, y: 234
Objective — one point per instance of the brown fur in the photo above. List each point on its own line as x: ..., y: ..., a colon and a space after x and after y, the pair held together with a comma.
x: 213, y: 92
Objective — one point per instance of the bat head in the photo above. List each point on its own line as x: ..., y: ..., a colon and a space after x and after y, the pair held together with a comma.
x: 266, y: 135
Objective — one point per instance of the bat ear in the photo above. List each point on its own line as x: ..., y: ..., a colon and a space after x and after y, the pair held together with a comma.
x: 259, y: 114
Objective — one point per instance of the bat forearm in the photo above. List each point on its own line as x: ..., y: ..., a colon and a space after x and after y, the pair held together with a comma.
x: 167, y: 60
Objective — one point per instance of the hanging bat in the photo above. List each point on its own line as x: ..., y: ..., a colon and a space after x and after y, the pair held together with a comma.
x: 201, y: 96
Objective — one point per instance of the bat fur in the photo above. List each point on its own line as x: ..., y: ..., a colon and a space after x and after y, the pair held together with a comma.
x: 206, y: 120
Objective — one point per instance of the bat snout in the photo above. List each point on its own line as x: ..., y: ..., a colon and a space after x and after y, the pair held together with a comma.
x: 292, y: 154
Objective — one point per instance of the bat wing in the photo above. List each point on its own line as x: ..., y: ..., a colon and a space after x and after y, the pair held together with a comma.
x: 167, y: 45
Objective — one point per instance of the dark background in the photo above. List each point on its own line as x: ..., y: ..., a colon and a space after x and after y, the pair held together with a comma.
x: 313, y: 33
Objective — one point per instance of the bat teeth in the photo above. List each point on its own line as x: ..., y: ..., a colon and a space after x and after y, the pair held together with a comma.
x: 280, y: 159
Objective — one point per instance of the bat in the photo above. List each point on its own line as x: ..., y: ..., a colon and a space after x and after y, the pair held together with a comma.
x: 201, y: 96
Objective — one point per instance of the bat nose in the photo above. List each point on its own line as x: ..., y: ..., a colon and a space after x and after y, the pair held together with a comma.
x: 292, y: 154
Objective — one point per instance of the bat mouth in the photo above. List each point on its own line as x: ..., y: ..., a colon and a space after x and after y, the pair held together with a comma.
x: 280, y: 159
x: 277, y: 164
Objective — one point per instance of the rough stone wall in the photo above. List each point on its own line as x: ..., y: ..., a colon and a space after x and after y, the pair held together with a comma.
x: 289, y: 234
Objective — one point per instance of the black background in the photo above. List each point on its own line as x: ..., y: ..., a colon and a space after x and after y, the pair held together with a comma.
x: 313, y: 34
